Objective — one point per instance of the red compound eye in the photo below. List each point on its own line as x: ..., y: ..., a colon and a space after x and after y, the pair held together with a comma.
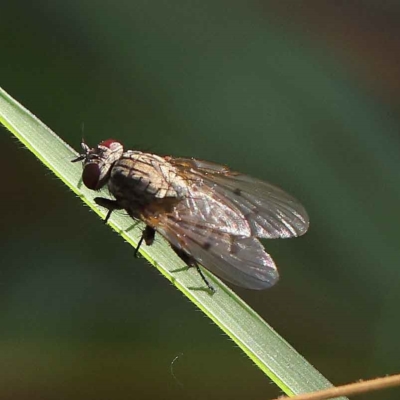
x: 91, y: 176
x: 109, y: 143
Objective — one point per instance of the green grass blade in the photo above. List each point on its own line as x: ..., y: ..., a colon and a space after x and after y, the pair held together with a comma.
x: 270, y: 352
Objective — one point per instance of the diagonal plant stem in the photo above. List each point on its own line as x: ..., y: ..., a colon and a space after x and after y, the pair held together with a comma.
x: 269, y: 351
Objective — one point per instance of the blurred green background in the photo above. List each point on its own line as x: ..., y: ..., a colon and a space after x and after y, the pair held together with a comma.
x: 305, y: 95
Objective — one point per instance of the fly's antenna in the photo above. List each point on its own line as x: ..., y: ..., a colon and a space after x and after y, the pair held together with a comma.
x: 83, y: 131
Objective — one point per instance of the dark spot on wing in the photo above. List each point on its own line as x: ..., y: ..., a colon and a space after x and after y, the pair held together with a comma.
x: 249, y: 215
x: 237, y: 191
x: 234, y: 248
x: 206, y: 245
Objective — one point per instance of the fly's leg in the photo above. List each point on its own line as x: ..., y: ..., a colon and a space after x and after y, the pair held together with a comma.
x: 148, y: 237
x: 110, y: 205
x: 191, y: 262
x: 208, y: 284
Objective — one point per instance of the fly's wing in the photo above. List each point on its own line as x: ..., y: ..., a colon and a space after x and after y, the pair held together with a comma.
x: 259, y: 208
x: 216, y: 237
x: 219, y: 216
x: 236, y: 259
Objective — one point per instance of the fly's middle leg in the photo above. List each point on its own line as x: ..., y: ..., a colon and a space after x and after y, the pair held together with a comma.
x: 148, y: 237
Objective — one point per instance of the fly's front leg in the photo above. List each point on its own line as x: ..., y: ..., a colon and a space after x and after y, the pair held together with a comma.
x: 110, y: 205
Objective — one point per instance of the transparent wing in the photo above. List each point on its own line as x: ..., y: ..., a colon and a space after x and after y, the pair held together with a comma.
x: 236, y: 259
x: 220, y: 214
x: 254, y: 207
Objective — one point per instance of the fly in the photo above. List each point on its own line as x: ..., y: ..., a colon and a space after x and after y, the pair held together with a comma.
x: 210, y: 215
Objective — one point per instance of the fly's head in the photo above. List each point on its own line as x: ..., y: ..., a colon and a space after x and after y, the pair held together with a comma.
x: 98, y: 161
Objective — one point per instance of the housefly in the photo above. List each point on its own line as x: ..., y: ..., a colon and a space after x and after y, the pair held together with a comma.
x: 210, y: 215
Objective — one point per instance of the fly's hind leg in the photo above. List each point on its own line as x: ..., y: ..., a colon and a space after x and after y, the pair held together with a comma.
x: 148, y: 237
x: 191, y: 262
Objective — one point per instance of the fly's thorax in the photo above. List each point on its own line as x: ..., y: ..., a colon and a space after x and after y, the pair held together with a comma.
x: 143, y: 178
